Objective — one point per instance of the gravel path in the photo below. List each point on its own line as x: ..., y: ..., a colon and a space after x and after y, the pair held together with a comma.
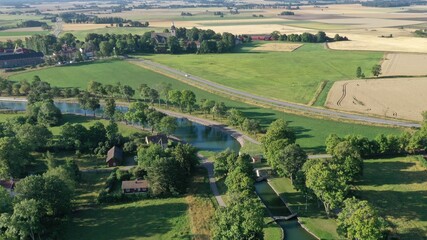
x: 273, y: 102
x: 212, y: 181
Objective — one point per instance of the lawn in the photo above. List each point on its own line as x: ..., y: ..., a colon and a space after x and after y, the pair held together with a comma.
x: 311, y: 132
x: 291, y: 76
x: 314, y: 217
x: 146, y: 219
x: 398, y: 188
x: 17, y: 34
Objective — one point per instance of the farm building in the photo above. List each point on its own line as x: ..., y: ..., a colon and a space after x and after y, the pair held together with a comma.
x: 114, y: 156
x: 135, y: 186
x: 157, y: 139
x: 9, y: 185
x: 256, y: 158
x: 19, y: 57
x: 261, y: 38
x: 161, y: 39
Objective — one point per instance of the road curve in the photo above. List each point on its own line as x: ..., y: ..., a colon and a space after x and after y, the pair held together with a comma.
x: 273, y: 102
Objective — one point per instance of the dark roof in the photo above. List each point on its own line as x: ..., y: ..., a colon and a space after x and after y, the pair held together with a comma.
x: 21, y: 56
x: 160, y: 37
x: 134, y: 184
x: 114, y: 153
x: 158, y: 139
x: 8, y: 184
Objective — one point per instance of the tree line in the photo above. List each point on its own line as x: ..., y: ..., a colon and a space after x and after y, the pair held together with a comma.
x: 242, y: 218
x: 185, y: 41
x: 306, y: 37
x: 328, y: 181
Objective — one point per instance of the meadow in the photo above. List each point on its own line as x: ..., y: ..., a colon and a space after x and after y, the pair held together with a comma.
x: 293, y: 76
x: 311, y: 132
x: 398, y: 188
x: 136, y: 220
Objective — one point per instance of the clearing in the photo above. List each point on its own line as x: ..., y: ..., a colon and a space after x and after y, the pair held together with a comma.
x: 277, y: 47
x: 402, y: 98
x: 398, y: 188
x: 404, y: 64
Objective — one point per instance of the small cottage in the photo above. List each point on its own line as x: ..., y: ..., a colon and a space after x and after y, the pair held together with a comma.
x: 157, y: 139
x: 135, y: 186
x: 114, y: 156
x: 256, y: 158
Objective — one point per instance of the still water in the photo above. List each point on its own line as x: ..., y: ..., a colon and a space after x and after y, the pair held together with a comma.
x: 200, y: 136
x: 293, y: 230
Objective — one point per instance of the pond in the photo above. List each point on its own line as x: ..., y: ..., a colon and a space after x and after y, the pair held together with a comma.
x: 200, y: 136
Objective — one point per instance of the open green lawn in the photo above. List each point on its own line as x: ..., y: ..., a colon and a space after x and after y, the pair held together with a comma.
x: 145, y: 219
x: 17, y: 34
x: 311, y: 132
x: 291, y: 76
x: 398, y: 188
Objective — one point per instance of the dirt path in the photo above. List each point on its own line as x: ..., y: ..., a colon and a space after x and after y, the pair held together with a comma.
x: 212, y: 181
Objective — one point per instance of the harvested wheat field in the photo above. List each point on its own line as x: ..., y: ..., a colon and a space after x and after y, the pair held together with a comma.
x: 374, y: 43
x: 277, y: 47
x: 83, y: 26
x: 403, y: 98
x: 404, y: 64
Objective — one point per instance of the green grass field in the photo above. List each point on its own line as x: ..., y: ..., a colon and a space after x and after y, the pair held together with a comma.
x: 18, y: 34
x: 291, y: 76
x: 398, y: 188
x: 146, y: 219
x: 311, y: 132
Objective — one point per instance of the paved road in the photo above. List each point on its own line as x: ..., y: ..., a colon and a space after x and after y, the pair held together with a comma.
x: 212, y: 181
x: 273, y: 102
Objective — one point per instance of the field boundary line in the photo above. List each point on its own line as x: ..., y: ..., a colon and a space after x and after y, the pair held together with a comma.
x: 318, y: 92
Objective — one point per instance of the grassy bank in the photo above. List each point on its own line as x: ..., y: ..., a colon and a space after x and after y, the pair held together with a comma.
x: 311, y: 132
x: 291, y: 76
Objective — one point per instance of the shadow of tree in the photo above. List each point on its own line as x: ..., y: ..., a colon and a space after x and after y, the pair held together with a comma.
x: 153, y: 219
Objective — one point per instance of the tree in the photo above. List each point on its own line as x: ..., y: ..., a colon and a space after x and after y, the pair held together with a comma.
x: 5, y: 201
x: 153, y: 95
x: 289, y: 160
x: 219, y: 110
x: 33, y: 136
x: 13, y: 157
x: 327, y: 181
x: 25, y: 222
x: 153, y: 118
x: 239, y: 220
x: 127, y: 92
x: 94, y: 87
x: 167, y: 125
x: 45, y: 113
x: 207, y: 105
x: 105, y: 48
x: 110, y: 107
x: 276, y: 131
x: 235, y: 117
x: 164, y: 90
x: 359, y: 72
x: 224, y: 162
x: 175, y: 96
x: 251, y: 125
x: 238, y: 182
x: 348, y: 157
x: 186, y: 156
x: 376, y: 70
x: 359, y: 220
x: 136, y: 112
x: 83, y: 100
x: 188, y: 99
x: 93, y: 104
